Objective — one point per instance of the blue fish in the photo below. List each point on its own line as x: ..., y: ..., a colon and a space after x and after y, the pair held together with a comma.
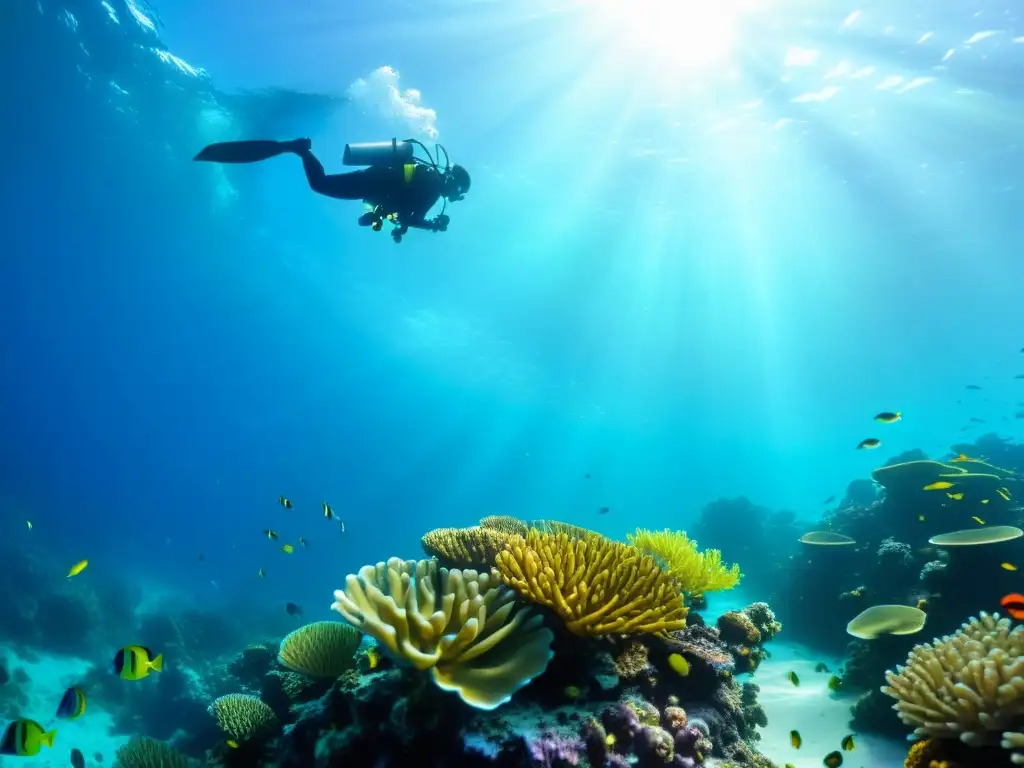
x: 72, y: 704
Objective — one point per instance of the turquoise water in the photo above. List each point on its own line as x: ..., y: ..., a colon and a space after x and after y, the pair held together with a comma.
x: 704, y: 245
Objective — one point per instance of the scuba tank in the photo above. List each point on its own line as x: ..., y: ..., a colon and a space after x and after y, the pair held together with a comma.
x: 394, y: 152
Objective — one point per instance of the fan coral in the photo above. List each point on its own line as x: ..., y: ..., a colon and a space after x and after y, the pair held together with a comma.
x: 597, y: 586
x: 506, y: 524
x: 696, y: 572
x: 967, y: 685
x: 242, y: 717
x: 764, y: 619
x: 736, y: 627
x: 321, y: 649
x: 143, y: 752
x: 474, y: 547
x: 458, y: 624
x: 632, y: 661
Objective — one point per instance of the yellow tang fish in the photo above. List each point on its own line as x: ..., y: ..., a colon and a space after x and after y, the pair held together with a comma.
x: 287, y: 549
x: 939, y: 485
x: 77, y: 568
x: 679, y: 664
x: 1008, y: 566
x: 232, y: 743
x: 795, y: 739
x: 955, y: 496
x: 133, y: 662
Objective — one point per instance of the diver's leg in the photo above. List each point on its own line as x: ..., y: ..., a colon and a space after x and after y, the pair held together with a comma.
x: 341, y: 186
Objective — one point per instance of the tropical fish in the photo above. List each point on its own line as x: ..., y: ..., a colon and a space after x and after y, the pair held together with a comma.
x: 77, y: 758
x: 232, y: 743
x: 77, y: 568
x: 973, y: 386
x: 870, y: 444
x: 821, y: 667
x: 835, y: 683
x: 984, y: 501
x: 679, y: 664
x: 261, y: 573
x: 847, y: 743
x: 269, y: 533
x: 72, y: 704
x: 829, y: 500
x: 795, y: 739
x: 833, y: 760
x: 287, y: 549
x: 328, y: 512
x: 286, y: 503
x: 1004, y: 493
x: 292, y: 609
x: 604, y: 510
x: 793, y: 678
x: 572, y: 691
x: 1008, y: 566
x: 1014, y: 605
x: 939, y: 485
x: 133, y: 662
x: 920, y: 518
x: 302, y: 542
x: 956, y: 496
x: 885, y: 417
x: 29, y: 524
x: 25, y: 738
x: 962, y: 457
x: 977, y: 519
x: 342, y: 522
x: 976, y: 420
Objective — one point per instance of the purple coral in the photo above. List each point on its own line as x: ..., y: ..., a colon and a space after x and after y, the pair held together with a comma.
x: 595, y: 741
x: 622, y: 722
x: 653, y: 747
x: 550, y: 751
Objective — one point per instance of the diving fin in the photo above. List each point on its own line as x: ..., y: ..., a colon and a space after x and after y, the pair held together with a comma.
x: 243, y: 151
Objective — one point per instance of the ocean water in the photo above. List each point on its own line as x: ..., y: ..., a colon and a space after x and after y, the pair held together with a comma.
x: 704, y: 245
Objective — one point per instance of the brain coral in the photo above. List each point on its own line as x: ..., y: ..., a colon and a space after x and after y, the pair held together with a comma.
x: 464, y: 626
x: 321, y: 649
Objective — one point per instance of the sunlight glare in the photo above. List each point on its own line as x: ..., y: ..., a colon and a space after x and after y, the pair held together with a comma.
x: 682, y: 34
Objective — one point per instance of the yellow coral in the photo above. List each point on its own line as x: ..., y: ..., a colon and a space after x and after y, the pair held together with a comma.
x: 505, y: 524
x: 474, y: 547
x: 143, y: 752
x: 919, y: 755
x: 557, y: 526
x: 320, y: 649
x: 597, y: 586
x: 458, y: 624
x: 241, y: 716
x: 696, y: 572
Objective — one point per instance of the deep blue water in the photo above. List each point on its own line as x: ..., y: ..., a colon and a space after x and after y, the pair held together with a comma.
x: 689, y: 281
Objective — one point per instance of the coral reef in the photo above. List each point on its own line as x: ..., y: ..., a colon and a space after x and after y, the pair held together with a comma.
x: 596, y: 586
x: 695, y: 572
x: 464, y: 626
x: 474, y: 547
x: 142, y: 752
x: 322, y: 649
x: 510, y: 526
x: 243, y: 717
x: 967, y: 686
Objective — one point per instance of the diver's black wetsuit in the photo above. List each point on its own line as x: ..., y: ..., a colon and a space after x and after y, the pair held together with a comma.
x: 381, y: 186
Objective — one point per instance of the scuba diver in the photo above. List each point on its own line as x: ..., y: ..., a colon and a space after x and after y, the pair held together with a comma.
x: 397, y: 186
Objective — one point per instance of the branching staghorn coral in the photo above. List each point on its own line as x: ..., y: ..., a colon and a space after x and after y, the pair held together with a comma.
x: 243, y: 717
x: 474, y: 547
x: 143, y: 752
x: 696, y: 572
x: 967, y: 686
x: 463, y: 626
x: 507, y: 524
x: 597, y: 586
x: 321, y: 649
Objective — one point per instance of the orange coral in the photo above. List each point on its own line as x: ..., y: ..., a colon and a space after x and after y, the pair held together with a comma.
x: 919, y: 755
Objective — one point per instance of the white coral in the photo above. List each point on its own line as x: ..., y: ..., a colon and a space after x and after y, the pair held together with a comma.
x: 968, y: 685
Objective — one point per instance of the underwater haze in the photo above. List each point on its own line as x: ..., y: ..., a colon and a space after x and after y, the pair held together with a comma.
x: 705, y: 244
